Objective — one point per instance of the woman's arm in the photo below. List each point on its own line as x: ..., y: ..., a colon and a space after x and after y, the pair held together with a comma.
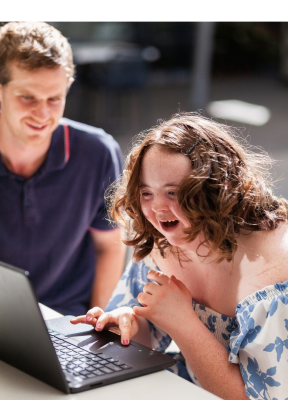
x: 167, y: 304
x: 208, y: 359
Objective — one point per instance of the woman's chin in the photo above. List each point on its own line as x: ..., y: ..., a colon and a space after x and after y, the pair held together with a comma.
x: 176, y: 241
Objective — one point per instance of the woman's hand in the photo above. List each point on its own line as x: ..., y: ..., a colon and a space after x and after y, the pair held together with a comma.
x: 167, y: 303
x: 122, y: 321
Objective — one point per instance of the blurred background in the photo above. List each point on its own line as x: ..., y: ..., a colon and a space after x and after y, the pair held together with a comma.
x: 131, y: 74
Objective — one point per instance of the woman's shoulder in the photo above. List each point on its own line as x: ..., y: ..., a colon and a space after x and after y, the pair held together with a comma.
x: 268, y: 252
x: 274, y: 244
x: 267, y: 244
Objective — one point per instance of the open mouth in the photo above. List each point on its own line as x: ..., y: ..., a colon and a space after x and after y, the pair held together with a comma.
x: 169, y: 224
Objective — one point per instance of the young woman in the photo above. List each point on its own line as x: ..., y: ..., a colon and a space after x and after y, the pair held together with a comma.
x: 210, y: 259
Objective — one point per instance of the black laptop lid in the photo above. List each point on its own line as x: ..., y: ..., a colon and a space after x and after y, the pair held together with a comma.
x: 19, y: 328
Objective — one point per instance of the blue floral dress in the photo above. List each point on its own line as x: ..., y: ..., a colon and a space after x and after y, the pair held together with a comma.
x: 257, y: 339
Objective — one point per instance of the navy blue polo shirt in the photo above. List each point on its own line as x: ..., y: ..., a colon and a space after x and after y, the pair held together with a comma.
x: 45, y: 220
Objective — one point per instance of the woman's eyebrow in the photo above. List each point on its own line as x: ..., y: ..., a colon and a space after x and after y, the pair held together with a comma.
x: 143, y: 185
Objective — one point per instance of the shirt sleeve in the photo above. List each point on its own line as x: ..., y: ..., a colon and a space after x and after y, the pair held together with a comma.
x: 110, y: 171
x: 259, y: 344
x: 126, y: 292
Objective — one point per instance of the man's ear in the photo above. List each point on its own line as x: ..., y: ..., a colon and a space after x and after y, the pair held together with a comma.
x: 70, y: 81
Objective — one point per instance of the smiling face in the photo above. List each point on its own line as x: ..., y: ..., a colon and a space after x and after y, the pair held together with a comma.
x: 32, y: 103
x: 161, y: 174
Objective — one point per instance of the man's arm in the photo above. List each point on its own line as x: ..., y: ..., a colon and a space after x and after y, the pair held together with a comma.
x: 110, y: 253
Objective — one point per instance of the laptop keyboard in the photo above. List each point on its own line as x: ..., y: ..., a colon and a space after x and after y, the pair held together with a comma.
x: 81, y: 363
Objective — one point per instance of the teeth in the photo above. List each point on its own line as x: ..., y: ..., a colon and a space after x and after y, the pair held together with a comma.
x: 37, y: 126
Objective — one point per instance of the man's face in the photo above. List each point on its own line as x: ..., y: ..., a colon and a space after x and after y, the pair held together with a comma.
x: 31, y: 104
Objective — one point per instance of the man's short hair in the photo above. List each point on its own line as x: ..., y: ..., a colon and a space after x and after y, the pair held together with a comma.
x: 33, y: 45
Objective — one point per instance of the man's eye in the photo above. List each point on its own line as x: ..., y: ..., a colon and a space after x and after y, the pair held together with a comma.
x: 53, y: 99
x: 27, y: 97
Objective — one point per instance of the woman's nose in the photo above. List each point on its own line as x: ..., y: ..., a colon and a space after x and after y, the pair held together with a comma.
x: 159, y: 204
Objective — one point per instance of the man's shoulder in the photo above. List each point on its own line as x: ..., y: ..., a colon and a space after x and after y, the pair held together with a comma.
x: 88, y: 133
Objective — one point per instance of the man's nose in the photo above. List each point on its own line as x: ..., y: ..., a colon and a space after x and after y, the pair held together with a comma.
x: 159, y: 203
x: 41, y: 111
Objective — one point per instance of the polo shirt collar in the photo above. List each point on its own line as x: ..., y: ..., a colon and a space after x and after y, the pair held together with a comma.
x: 58, y: 153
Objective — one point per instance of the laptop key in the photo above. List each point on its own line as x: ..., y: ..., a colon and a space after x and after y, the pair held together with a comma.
x: 72, y: 353
x: 84, y: 359
x: 71, y: 365
x: 78, y: 378
x: 91, y: 375
x: 91, y: 362
x: 96, y: 365
x: 103, y: 362
x: 93, y: 357
x: 90, y: 368
x: 98, y: 372
x: 106, y: 370
x: 111, y: 360
x: 125, y: 366
x: 114, y: 367
x: 103, y: 356
x: 83, y: 372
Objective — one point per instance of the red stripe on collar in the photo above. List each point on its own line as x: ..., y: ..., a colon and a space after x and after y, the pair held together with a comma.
x: 66, y: 143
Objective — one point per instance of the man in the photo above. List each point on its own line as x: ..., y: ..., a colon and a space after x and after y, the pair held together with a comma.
x: 53, y: 175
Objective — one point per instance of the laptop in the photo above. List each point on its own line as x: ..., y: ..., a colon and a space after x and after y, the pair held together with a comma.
x: 71, y: 358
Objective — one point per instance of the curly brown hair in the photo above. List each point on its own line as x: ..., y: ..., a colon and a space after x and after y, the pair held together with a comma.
x: 230, y: 185
x: 33, y: 45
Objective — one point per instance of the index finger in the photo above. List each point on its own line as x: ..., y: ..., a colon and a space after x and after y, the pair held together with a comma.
x: 158, y: 277
x: 90, y: 318
x: 125, y: 328
x: 79, y: 319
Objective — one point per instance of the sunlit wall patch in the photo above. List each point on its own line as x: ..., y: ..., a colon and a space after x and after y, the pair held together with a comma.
x: 240, y: 111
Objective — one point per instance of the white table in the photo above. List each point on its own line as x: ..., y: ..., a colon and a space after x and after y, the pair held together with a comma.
x: 163, y: 385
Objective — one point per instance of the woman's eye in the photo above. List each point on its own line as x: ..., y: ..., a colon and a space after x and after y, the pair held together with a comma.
x: 172, y: 193
x: 145, y: 194
x: 27, y: 97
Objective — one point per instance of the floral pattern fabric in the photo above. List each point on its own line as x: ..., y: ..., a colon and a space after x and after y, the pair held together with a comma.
x: 257, y: 339
x: 259, y: 343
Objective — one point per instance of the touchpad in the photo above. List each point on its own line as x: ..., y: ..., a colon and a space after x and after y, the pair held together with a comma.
x: 63, y: 326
